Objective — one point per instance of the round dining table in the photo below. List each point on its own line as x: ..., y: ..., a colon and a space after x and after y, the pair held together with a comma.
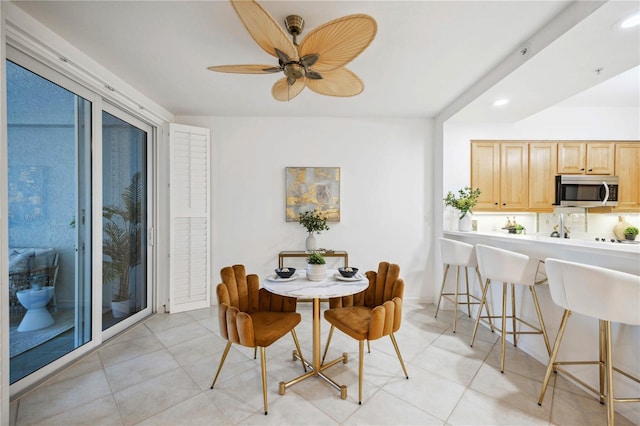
x: 298, y: 286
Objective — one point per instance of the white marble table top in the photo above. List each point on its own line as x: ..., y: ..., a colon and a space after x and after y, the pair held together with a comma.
x: 301, y: 287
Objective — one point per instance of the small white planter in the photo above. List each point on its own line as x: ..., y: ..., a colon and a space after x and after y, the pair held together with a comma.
x: 316, y: 272
x: 464, y: 224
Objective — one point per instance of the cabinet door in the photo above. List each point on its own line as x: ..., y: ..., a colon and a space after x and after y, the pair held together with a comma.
x: 542, y: 171
x: 600, y: 158
x: 628, y: 171
x: 485, y: 174
x: 571, y: 158
x: 514, y: 176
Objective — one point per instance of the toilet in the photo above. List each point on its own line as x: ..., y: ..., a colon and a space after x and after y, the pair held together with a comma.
x: 36, y: 300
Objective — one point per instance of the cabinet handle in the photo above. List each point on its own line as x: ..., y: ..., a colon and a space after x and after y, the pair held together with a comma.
x: 495, y: 204
x: 590, y: 170
x: 504, y: 204
x: 582, y: 169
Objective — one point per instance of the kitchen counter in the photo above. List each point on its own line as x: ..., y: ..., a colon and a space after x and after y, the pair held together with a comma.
x: 619, y: 256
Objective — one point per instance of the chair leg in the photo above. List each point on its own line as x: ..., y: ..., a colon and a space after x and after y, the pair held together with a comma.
x: 609, y: 366
x: 554, y: 354
x: 483, y: 301
x: 503, y: 338
x: 602, y: 358
x: 466, y: 277
x: 326, y: 347
x: 444, y: 279
x: 395, y: 346
x: 224, y: 356
x: 514, y: 314
x: 255, y: 352
x: 295, y: 340
x: 455, y: 300
x: 368, y: 346
x: 486, y: 305
x: 263, y: 364
x: 539, y: 312
x: 360, y: 369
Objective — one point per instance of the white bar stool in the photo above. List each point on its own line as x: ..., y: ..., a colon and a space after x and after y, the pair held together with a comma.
x: 459, y: 254
x: 514, y: 268
x: 600, y: 293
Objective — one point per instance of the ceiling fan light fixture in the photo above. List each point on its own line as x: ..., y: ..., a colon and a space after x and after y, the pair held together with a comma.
x: 294, y: 70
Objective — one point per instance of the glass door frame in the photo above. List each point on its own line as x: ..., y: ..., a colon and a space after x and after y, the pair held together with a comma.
x: 150, y: 202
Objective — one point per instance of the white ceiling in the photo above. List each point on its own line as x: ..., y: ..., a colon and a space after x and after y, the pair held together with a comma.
x: 425, y: 55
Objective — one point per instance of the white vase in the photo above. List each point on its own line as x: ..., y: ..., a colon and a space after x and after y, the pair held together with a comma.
x: 464, y: 224
x: 311, y: 242
x: 316, y: 272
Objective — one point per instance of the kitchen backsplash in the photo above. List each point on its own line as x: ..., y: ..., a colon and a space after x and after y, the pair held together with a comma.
x: 580, y: 223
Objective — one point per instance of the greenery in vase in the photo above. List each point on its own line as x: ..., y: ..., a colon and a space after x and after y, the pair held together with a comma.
x: 466, y: 199
x: 313, y: 221
x: 316, y: 259
x: 631, y: 230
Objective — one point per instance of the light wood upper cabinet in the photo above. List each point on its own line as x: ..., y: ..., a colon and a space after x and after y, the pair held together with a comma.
x: 501, y: 171
x: 485, y: 174
x: 590, y: 158
x: 542, y: 171
x: 627, y: 168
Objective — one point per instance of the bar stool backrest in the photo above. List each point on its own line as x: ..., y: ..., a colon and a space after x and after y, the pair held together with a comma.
x: 506, y: 266
x: 458, y: 253
x: 594, y: 291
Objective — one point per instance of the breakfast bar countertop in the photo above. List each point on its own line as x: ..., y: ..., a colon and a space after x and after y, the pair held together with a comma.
x: 619, y: 256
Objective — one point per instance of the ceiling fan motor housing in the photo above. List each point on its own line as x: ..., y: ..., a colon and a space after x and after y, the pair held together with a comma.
x: 294, y: 24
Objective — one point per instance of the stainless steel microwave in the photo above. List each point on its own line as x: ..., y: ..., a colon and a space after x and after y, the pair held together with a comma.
x: 586, y: 191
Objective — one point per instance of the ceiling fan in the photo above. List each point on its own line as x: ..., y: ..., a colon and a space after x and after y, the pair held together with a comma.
x: 317, y: 62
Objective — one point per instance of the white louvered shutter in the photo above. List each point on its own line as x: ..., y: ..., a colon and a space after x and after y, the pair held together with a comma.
x: 190, y: 234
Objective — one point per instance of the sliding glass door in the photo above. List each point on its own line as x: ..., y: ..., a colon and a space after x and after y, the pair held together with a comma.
x: 49, y: 213
x: 79, y: 183
x: 125, y: 219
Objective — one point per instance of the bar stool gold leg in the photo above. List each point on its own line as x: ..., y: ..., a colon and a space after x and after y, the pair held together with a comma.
x: 504, y: 325
x: 602, y: 358
x: 554, y: 354
x: 224, y: 356
x: 444, y: 279
x: 486, y: 306
x: 466, y: 277
x: 609, y: 364
x: 513, y: 314
x: 483, y: 301
x: 326, y: 347
x: 295, y: 340
x: 455, y: 301
x: 360, y: 370
x: 539, y: 312
x: 263, y: 364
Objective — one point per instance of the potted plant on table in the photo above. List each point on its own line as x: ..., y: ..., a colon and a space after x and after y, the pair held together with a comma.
x: 314, y: 222
x: 466, y: 199
x: 316, y: 267
x: 630, y: 233
x: 121, y: 245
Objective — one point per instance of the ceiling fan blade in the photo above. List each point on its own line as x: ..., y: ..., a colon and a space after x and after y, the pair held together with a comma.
x: 264, y: 29
x: 339, y: 82
x: 313, y: 75
x: 339, y: 41
x: 282, y: 91
x: 246, y: 69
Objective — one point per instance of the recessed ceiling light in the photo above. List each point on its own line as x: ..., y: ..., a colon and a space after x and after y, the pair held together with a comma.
x: 632, y: 21
x: 501, y: 102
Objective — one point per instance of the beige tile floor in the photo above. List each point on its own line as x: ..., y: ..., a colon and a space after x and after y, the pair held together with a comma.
x: 159, y: 373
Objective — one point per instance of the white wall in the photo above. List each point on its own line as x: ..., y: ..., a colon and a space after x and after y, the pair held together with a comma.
x: 385, y: 192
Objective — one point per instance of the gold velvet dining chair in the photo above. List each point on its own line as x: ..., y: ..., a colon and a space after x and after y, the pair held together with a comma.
x: 253, y: 317
x: 371, y: 314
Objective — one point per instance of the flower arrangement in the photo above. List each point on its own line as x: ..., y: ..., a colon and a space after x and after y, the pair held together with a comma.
x: 466, y: 199
x: 313, y: 221
x: 630, y: 233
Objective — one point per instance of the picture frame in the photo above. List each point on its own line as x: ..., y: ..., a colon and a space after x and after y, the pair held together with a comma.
x: 312, y: 188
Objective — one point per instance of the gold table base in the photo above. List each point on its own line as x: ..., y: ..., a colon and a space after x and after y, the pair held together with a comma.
x: 317, y: 368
